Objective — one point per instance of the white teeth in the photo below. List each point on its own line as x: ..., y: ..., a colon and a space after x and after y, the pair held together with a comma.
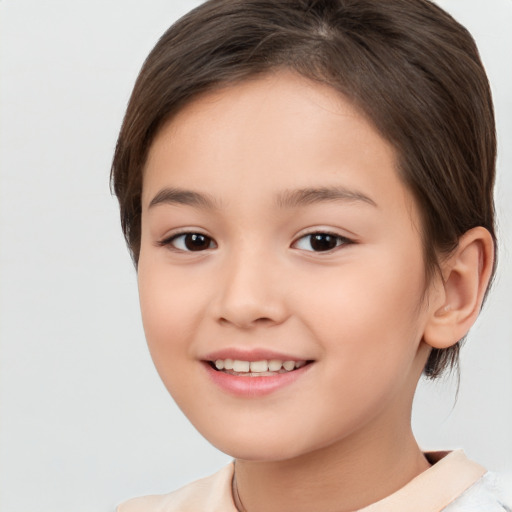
x: 259, y: 366
x: 241, y: 366
x: 289, y: 365
x: 274, y: 365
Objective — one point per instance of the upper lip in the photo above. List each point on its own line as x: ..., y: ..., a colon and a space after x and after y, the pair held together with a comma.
x: 256, y: 354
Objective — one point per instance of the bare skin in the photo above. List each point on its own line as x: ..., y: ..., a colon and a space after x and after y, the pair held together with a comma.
x: 255, y: 172
x: 339, y: 478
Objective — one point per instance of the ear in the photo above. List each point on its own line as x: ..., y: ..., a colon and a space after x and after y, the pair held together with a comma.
x: 461, y: 289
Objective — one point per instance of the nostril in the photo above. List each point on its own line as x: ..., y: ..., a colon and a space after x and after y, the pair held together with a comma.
x: 263, y: 320
x: 241, y: 323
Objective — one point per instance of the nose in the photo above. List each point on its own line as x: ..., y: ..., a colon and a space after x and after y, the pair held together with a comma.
x: 251, y: 293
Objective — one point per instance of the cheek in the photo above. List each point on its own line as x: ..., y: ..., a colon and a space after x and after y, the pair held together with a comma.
x: 368, y: 313
x: 169, y: 311
x: 369, y: 326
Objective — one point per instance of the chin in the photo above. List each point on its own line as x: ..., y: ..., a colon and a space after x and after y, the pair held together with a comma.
x: 258, y: 453
x: 260, y: 446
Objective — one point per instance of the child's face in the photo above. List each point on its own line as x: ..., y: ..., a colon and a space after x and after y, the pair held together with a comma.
x: 256, y: 170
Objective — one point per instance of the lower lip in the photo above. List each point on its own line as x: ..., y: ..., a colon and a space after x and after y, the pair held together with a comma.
x: 254, y: 386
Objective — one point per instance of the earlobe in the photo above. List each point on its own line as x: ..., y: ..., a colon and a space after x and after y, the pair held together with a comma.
x: 465, y: 277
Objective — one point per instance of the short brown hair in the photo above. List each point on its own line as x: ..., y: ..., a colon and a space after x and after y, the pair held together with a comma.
x: 406, y: 64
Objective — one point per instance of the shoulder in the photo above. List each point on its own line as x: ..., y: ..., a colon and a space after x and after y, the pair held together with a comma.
x: 210, y: 494
x: 492, y: 493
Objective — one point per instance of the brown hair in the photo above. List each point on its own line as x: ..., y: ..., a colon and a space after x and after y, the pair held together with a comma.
x: 406, y: 64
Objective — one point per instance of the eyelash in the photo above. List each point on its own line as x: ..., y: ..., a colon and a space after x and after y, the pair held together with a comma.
x: 170, y: 241
x: 339, y: 240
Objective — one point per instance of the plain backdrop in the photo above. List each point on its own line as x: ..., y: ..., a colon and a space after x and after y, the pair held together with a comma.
x: 85, y: 422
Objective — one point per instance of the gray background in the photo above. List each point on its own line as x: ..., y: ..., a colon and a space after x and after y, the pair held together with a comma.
x: 85, y: 421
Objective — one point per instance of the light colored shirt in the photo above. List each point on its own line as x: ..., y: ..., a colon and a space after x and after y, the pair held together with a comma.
x: 452, y: 484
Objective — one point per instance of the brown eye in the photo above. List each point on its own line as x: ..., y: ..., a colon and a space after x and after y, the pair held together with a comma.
x: 190, y: 242
x: 320, y: 242
x: 323, y: 242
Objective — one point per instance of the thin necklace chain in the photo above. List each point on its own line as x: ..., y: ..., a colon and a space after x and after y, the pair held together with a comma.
x: 236, y: 495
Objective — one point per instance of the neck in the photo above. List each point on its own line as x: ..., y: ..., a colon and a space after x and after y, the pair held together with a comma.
x: 343, y: 477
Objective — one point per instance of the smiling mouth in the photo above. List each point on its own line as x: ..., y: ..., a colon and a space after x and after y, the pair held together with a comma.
x: 263, y: 368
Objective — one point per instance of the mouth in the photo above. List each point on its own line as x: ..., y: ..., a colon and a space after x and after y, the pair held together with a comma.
x: 254, y: 373
x: 262, y: 368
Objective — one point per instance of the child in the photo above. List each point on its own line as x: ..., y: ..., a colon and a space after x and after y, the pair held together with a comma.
x: 306, y: 188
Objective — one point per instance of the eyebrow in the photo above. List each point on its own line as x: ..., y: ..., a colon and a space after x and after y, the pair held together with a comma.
x: 305, y: 196
x: 286, y: 199
x: 186, y: 197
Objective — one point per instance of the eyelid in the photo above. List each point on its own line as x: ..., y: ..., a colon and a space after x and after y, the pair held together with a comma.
x: 319, y: 231
x: 168, y: 240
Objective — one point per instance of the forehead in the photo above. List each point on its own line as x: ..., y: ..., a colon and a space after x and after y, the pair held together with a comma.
x: 272, y: 132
